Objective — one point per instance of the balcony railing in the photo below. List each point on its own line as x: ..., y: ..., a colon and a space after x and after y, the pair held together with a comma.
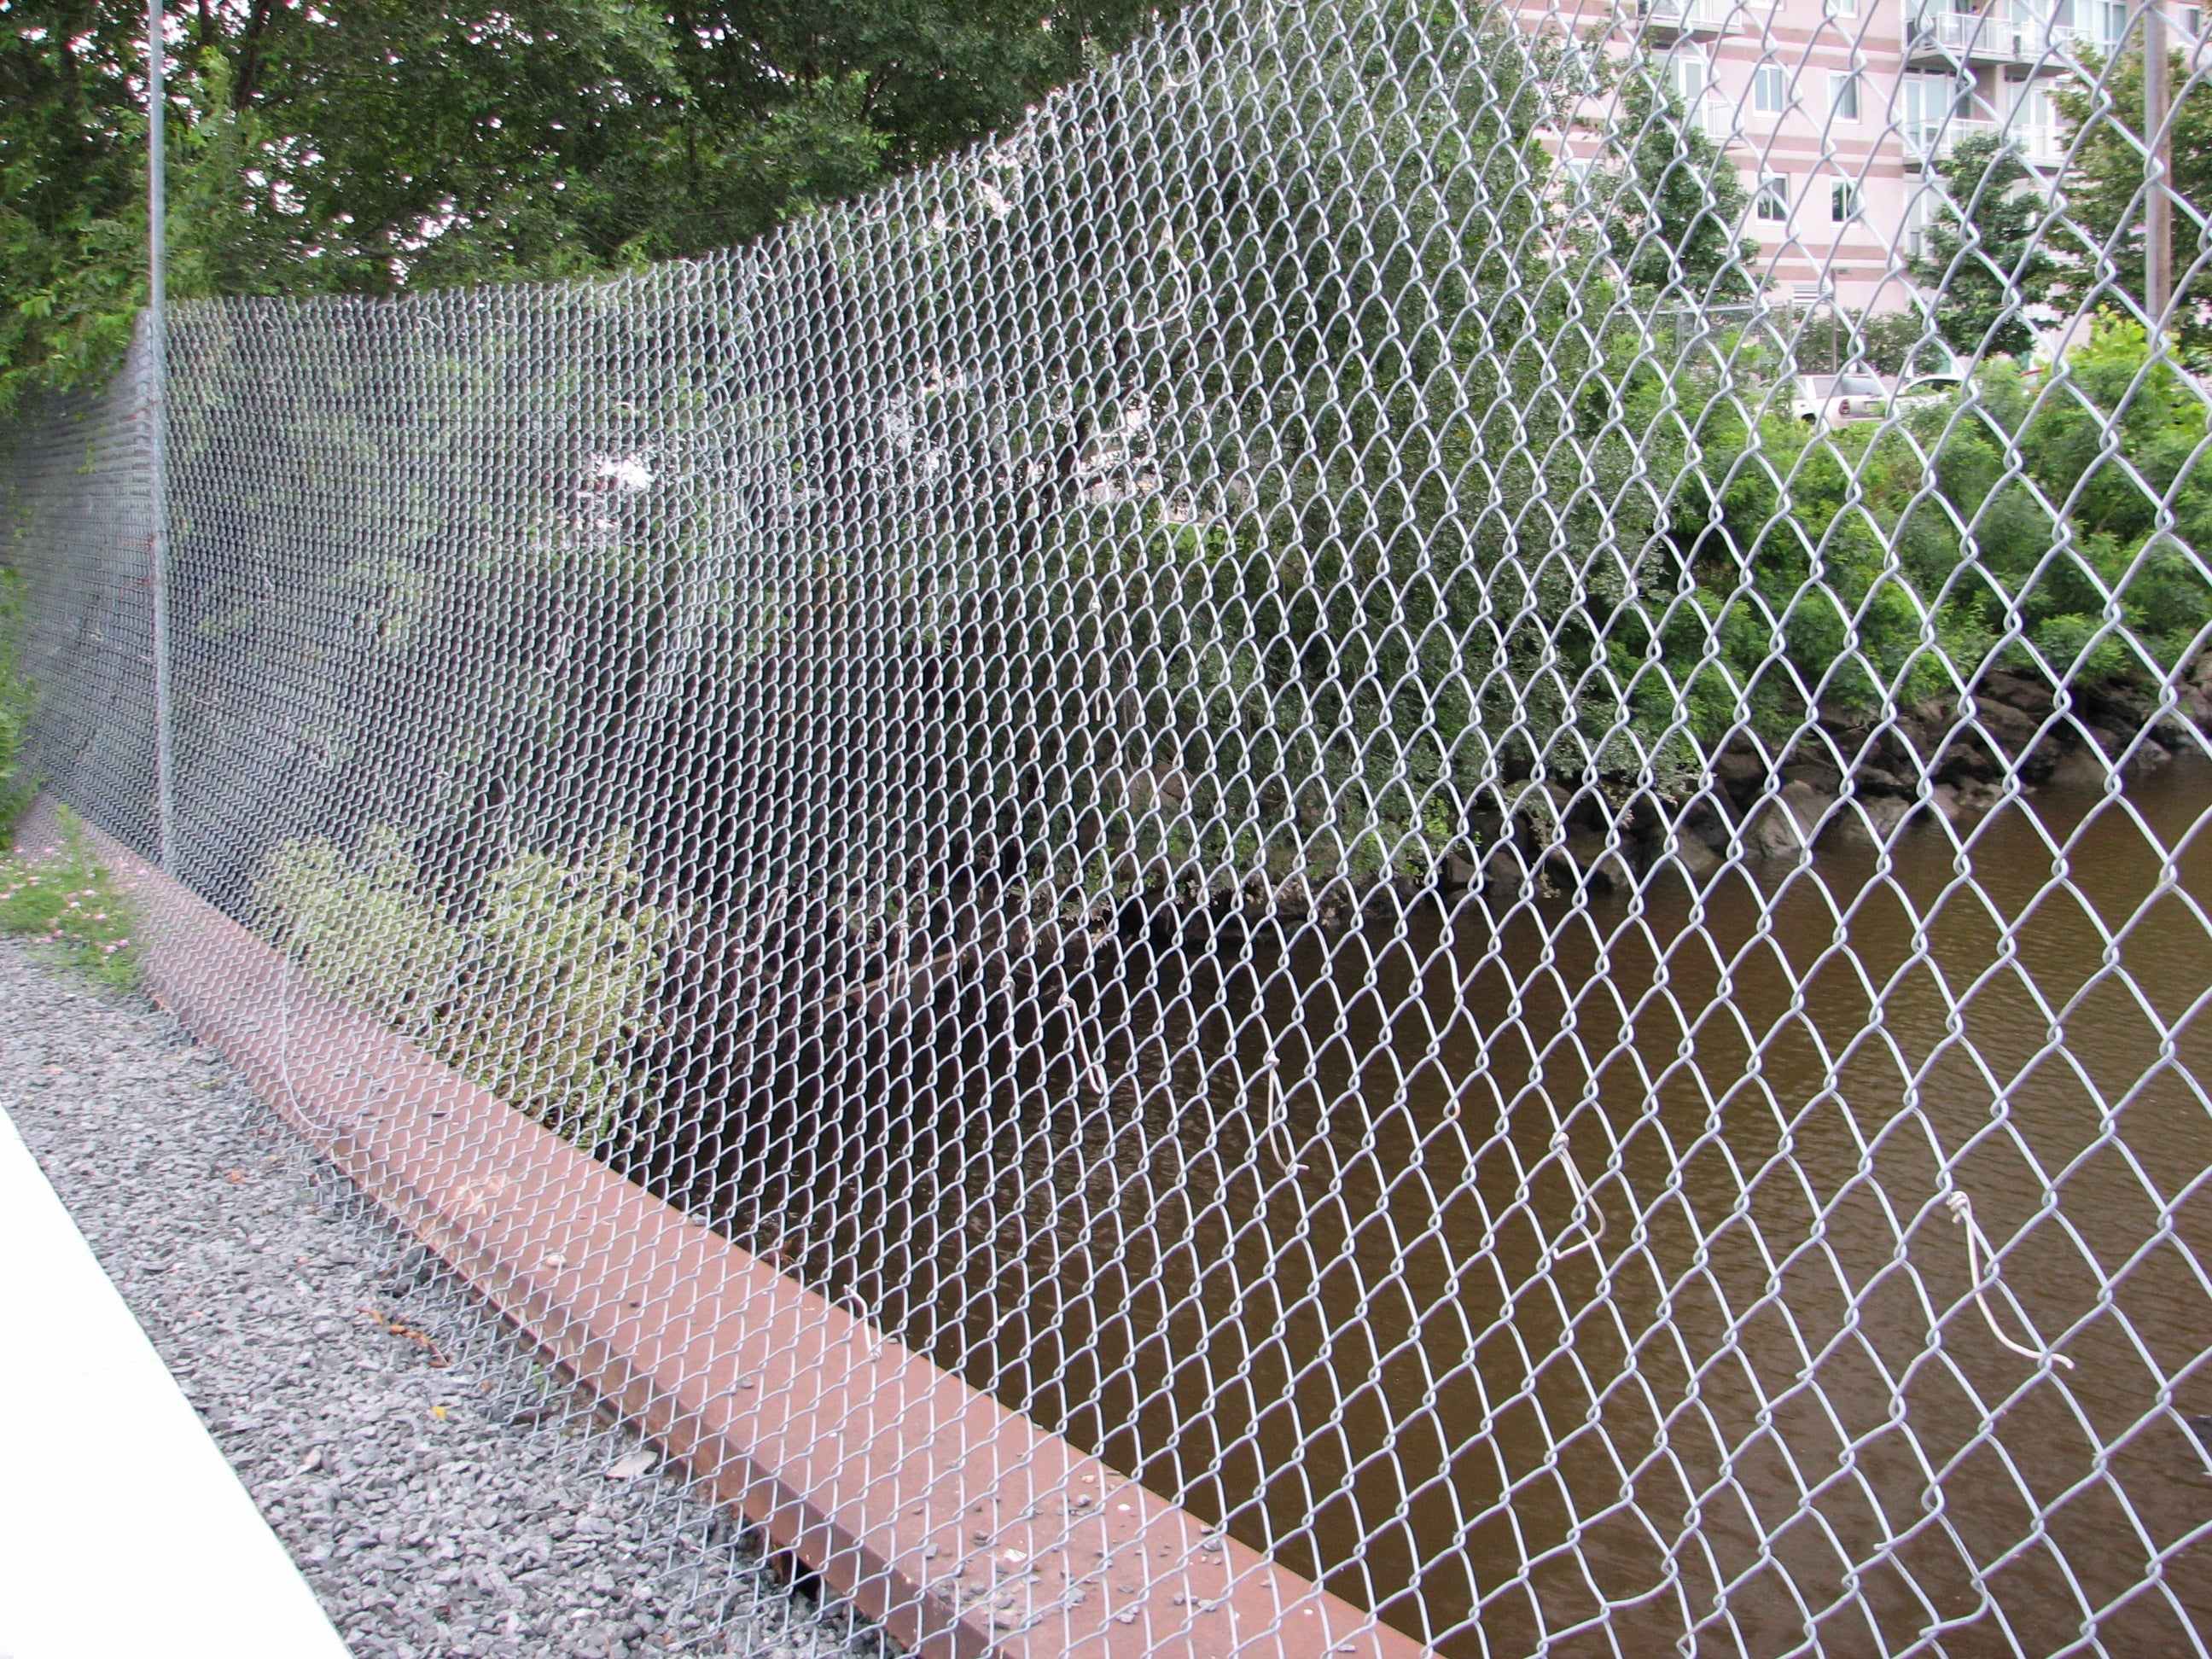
x: 1999, y: 37
x: 2052, y: 39
x: 1926, y: 143
x: 1968, y: 36
x: 1709, y: 116
x: 2040, y: 146
x: 1686, y: 16
x: 1929, y: 142
x: 2037, y: 39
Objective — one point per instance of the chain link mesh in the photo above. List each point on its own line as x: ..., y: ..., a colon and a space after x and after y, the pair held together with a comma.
x: 1260, y: 767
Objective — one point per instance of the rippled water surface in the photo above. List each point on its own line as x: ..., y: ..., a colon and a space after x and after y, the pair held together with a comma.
x: 1597, y: 1254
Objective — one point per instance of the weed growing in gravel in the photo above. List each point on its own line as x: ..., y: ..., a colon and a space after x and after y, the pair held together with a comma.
x: 66, y: 901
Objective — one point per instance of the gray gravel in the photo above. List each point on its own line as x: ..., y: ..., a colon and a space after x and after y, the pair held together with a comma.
x: 443, y: 1494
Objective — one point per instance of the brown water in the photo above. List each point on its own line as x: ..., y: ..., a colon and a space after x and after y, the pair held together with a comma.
x: 1757, y: 1410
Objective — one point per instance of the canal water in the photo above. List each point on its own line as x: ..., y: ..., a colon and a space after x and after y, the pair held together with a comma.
x: 1590, y: 1271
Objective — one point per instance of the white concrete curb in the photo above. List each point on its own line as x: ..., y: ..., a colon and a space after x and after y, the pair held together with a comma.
x: 124, y: 1535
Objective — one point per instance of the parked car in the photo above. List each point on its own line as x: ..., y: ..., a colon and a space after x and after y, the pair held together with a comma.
x: 1835, y: 399
x: 1926, y: 391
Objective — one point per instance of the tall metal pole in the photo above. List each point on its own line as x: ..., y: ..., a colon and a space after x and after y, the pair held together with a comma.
x: 2158, y: 212
x: 157, y: 424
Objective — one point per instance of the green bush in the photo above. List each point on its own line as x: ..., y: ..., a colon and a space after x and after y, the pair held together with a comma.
x: 1889, y: 563
x: 362, y: 931
x: 537, y: 995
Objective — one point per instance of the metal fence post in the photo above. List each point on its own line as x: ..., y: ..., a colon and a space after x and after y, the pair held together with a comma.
x: 2158, y: 207
x: 157, y: 416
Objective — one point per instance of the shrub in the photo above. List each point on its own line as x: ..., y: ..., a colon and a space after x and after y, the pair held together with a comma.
x: 362, y: 930
x: 536, y: 995
x: 557, y: 972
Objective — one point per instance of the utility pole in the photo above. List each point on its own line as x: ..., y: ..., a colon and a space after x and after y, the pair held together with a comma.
x: 157, y: 426
x: 2157, y: 172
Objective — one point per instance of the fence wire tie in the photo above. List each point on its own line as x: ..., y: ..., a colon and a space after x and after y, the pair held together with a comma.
x: 1962, y: 1212
x: 1585, y: 1206
x: 1277, y: 1133
x: 1088, y: 1068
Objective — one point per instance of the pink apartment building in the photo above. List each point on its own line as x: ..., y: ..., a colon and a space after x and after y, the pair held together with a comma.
x: 1836, y: 112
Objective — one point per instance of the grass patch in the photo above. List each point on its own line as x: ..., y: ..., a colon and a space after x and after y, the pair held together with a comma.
x: 16, y: 696
x: 68, y: 903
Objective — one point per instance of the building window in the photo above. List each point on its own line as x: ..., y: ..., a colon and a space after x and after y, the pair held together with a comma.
x: 1931, y: 99
x: 1690, y: 78
x: 1689, y: 75
x: 1843, y: 202
x: 1843, y: 96
x: 1842, y: 7
x: 2035, y: 127
x: 1920, y: 213
x: 1770, y: 89
x: 2108, y: 25
x: 1771, y: 203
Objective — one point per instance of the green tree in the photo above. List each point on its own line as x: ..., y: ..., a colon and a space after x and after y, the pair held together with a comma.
x: 383, y: 143
x: 1988, y: 260
x: 2103, y: 228
x: 71, y: 227
x: 1674, y: 205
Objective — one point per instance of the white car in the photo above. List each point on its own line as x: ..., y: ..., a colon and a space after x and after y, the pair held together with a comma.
x: 1835, y: 399
x: 1927, y: 391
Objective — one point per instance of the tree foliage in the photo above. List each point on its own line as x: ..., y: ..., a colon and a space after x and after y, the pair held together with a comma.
x: 1987, y: 261
x: 1675, y: 208
x: 1392, y: 296
x: 2102, y: 231
x: 382, y: 143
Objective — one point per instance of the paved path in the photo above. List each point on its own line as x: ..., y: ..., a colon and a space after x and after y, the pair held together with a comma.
x: 123, y: 1532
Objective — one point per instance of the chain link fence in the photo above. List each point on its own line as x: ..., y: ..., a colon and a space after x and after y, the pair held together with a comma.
x: 1263, y: 768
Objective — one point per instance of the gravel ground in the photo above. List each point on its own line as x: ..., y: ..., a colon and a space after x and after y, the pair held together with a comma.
x: 444, y: 1495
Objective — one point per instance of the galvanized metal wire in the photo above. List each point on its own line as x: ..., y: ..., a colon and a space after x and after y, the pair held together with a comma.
x: 1238, y: 765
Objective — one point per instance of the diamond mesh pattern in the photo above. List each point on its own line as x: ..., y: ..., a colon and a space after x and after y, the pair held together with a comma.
x: 1234, y: 765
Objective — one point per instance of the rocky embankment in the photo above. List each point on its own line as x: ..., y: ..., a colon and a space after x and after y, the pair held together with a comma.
x: 1844, y: 777
x: 1849, y: 778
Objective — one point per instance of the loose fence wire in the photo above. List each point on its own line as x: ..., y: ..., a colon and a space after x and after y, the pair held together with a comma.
x: 1235, y: 764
